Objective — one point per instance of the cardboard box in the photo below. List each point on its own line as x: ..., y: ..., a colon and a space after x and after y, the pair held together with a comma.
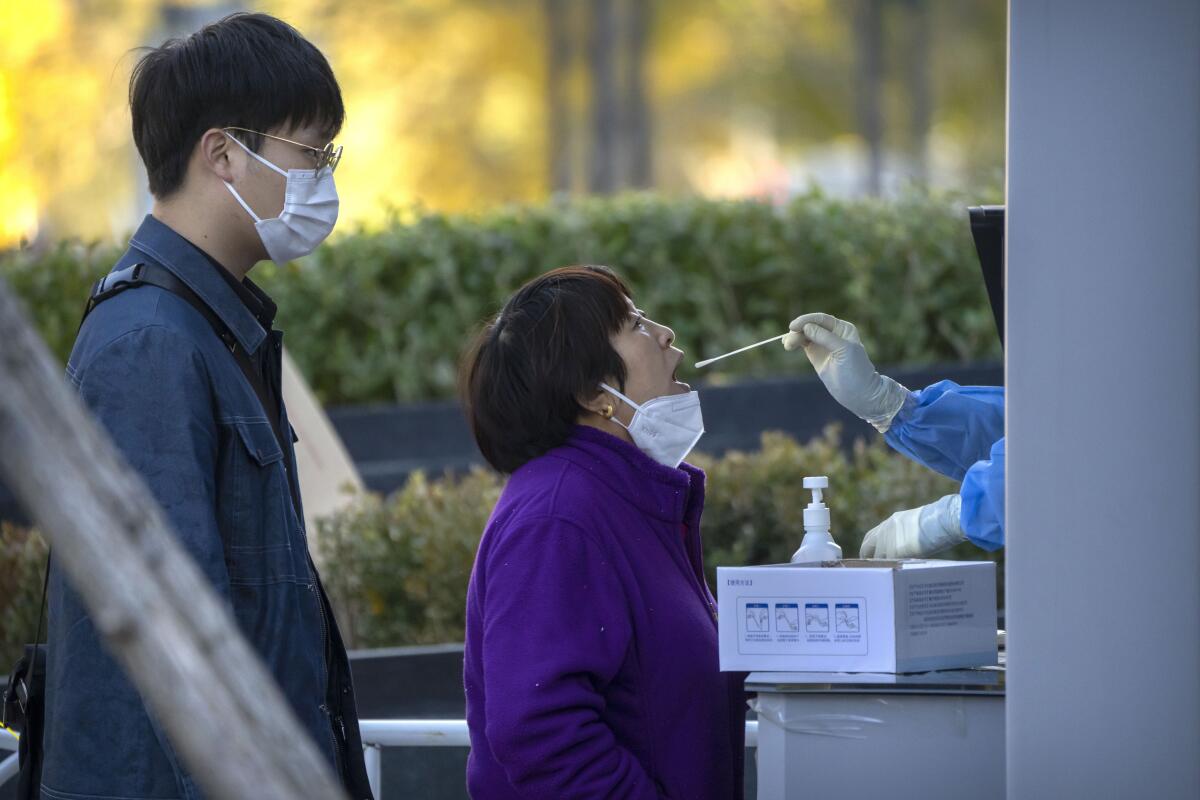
x: 857, y: 616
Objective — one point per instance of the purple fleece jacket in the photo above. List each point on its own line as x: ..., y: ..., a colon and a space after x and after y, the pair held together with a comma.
x: 591, y: 655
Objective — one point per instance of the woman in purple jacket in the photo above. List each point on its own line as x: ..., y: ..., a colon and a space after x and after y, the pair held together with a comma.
x: 591, y: 656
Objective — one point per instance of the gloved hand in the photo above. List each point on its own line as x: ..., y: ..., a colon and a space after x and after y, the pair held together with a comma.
x: 833, y: 347
x: 917, y: 532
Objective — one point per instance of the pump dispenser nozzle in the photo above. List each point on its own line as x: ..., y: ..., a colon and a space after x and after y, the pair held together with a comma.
x: 818, y: 544
x: 817, y: 514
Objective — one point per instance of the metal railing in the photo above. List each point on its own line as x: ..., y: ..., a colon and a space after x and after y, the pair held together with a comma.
x: 380, y: 733
x: 8, y: 767
x: 376, y: 735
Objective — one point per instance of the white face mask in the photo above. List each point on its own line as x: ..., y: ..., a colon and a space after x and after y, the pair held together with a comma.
x: 665, y: 428
x: 310, y: 209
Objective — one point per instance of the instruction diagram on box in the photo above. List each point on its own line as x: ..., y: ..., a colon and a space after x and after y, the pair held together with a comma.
x: 787, y: 617
x: 816, y: 617
x: 758, y: 618
x: 802, y: 625
x: 847, y: 618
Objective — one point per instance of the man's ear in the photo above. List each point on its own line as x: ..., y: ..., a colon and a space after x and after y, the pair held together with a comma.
x: 216, y: 154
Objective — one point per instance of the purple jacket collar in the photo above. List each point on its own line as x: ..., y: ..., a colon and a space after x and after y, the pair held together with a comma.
x: 665, y: 493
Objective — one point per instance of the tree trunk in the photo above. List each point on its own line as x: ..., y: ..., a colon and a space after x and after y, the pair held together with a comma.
x: 163, y: 622
x: 638, y: 133
x: 605, y: 100
x: 558, y: 62
x: 919, y: 93
x: 868, y: 36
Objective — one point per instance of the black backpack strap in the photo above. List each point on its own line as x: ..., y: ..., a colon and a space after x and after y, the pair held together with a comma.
x: 42, y: 606
x: 27, y: 688
x: 141, y: 274
x: 151, y: 274
x: 111, y: 284
x: 22, y: 704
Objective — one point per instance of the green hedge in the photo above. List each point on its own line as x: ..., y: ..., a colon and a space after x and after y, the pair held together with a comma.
x: 383, y: 316
x: 22, y: 567
x: 397, y: 567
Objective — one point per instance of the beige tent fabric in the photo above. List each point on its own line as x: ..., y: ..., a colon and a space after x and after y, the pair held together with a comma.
x: 328, y: 478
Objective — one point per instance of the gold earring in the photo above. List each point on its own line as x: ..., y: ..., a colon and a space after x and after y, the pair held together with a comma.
x: 607, y: 412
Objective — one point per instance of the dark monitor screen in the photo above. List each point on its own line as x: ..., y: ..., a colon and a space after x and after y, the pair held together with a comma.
x: 987, y: 226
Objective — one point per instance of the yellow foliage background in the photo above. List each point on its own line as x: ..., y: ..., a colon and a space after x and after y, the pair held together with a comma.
x: 446, y: 99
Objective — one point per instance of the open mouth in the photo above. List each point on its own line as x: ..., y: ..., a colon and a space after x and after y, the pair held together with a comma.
x: 675, y: 372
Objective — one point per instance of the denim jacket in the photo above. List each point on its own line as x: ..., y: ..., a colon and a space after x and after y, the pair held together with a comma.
x: 155, y: 374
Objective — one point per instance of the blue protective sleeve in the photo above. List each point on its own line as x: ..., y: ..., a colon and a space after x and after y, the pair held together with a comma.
x: 948, y: 427
x: 982, y: 495
x: 959, y: 432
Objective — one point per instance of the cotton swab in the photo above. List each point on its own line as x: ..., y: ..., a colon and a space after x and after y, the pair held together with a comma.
x: 708, y: 361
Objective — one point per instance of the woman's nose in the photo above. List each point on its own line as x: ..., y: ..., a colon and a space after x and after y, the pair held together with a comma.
x: 666, y: 336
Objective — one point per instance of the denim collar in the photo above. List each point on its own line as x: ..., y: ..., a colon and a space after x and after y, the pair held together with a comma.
x: 189, y: 264
x: 259, y: 302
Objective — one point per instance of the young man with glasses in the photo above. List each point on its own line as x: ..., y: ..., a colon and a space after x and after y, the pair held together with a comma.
x: 178, y: 359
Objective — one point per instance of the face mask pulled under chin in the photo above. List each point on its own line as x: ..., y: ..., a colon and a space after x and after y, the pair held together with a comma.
x: 310, y: 210
x: 665, y: 428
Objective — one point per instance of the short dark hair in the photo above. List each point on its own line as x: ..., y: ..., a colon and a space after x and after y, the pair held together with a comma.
x: 247, y: 70
x: 524, y: 376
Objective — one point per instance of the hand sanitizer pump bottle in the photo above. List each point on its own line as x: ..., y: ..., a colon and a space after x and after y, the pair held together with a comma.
x: 818, y: 544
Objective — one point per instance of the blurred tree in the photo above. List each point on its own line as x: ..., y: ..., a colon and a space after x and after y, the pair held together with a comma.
x: 917, y: 73
x: 636, y: 112
x: 465, y: 104
x: 868, y: 39
x: 605, y: 108
x: 66, y: 163
x: 789, y: 72
x: 969, y: 62
x: 616, y: 113
x: 558, y: 111
x: 445, y: 100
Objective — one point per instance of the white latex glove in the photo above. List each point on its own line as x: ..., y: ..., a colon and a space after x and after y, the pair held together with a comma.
x: 842, y: 364
x: 917, y: 532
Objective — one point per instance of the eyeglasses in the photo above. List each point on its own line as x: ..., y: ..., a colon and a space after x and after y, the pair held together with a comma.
x: 327, y: 156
